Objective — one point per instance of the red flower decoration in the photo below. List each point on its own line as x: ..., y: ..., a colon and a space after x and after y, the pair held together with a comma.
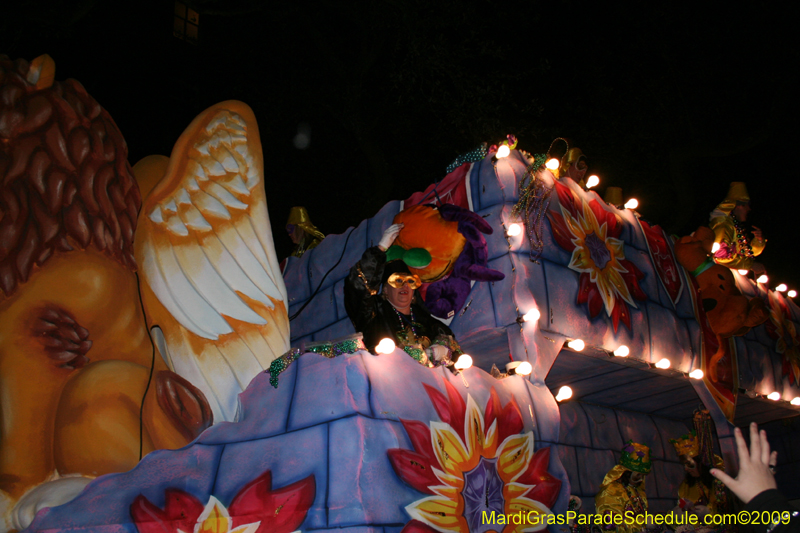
x: 256, y: 507
x: 591, y: 233
x: 472, y: 462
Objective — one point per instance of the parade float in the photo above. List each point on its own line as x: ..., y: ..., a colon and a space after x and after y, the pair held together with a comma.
x: 152, y: 380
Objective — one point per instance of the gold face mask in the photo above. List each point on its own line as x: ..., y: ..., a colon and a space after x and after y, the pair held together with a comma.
x: 398, y: 279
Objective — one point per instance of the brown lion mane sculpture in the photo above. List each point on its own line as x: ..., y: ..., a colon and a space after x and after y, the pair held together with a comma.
x: 75, y: 355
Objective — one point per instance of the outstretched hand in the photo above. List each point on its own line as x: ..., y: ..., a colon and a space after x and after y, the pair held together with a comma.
x: 389, y: 236
x: 754, y: 466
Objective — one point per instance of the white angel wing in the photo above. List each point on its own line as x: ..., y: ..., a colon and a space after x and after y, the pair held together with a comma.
x: 209, y: 275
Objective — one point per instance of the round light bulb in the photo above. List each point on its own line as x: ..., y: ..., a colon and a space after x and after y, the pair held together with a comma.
x: 714, y: 247
x: 514, y: 230
x: 524, y: 369
x: 743, y: 272
x: 795, y: 400
x: 532, y: 316
x: 385, y: 346
x: 622, y: 351
x: 633, y: 203
x: 663, y: 364
x: 503, y: 151
x: 792, y: 293
x: 781, y: 288
x: 564, y: 393
x: 464, y: 362
x: 763, y: 278
x: 774, y: 396
x: 696, y: 374
x: 576, y: 345
x: 552, y: 163
x: 592, y: 181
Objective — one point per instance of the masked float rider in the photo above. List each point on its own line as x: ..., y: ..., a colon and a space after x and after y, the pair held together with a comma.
x: 380, y: 299
x: 737, y: 250
x: 623, y: 487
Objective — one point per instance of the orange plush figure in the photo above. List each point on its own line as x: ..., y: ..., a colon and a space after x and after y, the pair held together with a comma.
x: 424, y: 228
x: 729, y: 312
x: 75, y: 356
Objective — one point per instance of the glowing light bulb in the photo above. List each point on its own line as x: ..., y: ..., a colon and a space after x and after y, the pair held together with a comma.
x: 762, y: 278
x: 503, y: 151
x: 564, y: 393
x: 714, y: 247
x: 633, y: 203
x: 385, y: 346
x: 795, y: 400
x: 552, y: 163
x: 532, y: 316
x: 742, y: 271
x: 792, y: 293
x: 593, y: 181
x: 781, y: 288
x: 464, y: 362
x: 576, y: 345
x: 774, y: 396
x: 514, y: 230
x: 696, y: 374
x: 524, y: 369
x: 622, y: 351
x: 663, y: 364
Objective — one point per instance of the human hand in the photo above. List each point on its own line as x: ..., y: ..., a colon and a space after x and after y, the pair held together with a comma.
x: 389, y: 236
x: 438, y: 353
x: 757, y: 234
x: 754, y: 473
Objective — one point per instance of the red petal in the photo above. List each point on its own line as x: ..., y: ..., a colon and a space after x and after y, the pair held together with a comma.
x: 595, y: 301
x: 420, y: 436
x: 560, y: 232
x: 492, y: 408
x: 279, y: 511
x: 545, y: 491
x: 439, y: 402
x: 540, y: 460
x: 566, y: 198
x: 584, y: 286
x: 458, y: 408
x: 414, y: 469
x: 612, y: 226
x: 631, y: 278
x: 415, y: 526
x: 510, y: 421
x: 149, y: 518
x: 182, y: 506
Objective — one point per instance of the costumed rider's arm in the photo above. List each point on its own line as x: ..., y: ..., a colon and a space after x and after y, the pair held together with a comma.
x: 725, y: 235
x: 364, y: 280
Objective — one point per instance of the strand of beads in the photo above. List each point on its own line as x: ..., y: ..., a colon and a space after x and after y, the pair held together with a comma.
x: 743, y: 248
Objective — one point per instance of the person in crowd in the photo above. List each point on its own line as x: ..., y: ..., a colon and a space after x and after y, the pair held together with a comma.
x: 737, y: 247
x: 381, y: 300
x: 755, y: 484
x: 623, y: 487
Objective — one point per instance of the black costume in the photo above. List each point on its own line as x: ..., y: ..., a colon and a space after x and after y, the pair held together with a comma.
x: 773, y: 501
x: 373, y: 315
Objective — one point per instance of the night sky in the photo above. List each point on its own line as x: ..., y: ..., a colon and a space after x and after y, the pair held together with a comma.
x: 668, y: 103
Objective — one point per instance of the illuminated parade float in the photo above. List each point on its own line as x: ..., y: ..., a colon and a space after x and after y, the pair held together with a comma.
x: 161, y: 372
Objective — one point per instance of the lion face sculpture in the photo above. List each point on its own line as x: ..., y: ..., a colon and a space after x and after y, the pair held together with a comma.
x: 75, y: 356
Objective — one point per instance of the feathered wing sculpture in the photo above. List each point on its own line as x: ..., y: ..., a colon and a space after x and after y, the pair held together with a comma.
x: 209, y: 276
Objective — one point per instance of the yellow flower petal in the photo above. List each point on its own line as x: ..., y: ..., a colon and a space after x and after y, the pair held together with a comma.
x: 534, y: 512
x: 514, y: 456
x: 490, y: 444
x: 439, y: 513
x: 213, y: 519
x: 473, y: 431
x: 449, y: 448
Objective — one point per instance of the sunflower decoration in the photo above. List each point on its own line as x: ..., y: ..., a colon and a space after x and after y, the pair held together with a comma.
x: 781, y: 328
x: 591, y: 233
x: 473, y: 464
